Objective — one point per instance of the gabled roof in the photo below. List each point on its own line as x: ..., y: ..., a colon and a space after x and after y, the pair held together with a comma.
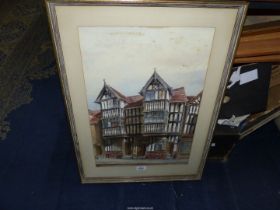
x: 107, y: 88
x: 155, y: 77
x: 118, y: 94
x: 179, y: 95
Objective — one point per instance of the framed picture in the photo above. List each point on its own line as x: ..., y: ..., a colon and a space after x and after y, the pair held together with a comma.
x: 143, y: 82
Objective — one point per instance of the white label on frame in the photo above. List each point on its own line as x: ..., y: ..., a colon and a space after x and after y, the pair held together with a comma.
x: 141, y: 168
x: 248, y: 76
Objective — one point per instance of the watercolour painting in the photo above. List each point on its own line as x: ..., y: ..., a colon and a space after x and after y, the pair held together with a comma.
x: 144, y: 102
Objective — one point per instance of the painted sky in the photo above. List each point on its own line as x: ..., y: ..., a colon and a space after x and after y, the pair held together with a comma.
x: 127, y: 56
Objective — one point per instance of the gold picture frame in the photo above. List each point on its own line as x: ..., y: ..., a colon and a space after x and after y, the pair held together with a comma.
x: 143, y: 46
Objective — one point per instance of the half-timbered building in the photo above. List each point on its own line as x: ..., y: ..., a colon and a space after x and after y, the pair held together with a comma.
x: 157, y: 124
x: 112, y: 104
x: 189, y: 124
x: 176, y: 118
x: 134, y: 125
x: 156, y: 93
x: 191, y: 113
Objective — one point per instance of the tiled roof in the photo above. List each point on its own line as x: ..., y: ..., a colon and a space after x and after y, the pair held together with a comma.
x: 190, y: 98
x: 134, y: 101
x: 195, y: 99
x: 179, y: 95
